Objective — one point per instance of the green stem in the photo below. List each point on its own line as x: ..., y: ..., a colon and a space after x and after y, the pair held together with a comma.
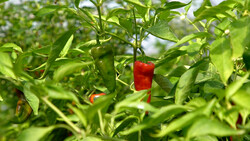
x: 192, y: 24
x: 143, y: 55
x: 53, y: 107
x: 100, y: 18
x: 114, y: 35
x: 135, y: 51
x: 122, y: 82
x: 136, y: 37
x: 101, y: 122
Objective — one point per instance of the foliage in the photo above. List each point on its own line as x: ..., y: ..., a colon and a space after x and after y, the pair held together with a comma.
x: 201, y: 88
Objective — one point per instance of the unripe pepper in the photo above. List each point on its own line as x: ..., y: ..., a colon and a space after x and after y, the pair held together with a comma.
x: 23, y: 109
x: 143, y: 75
x: 104, y: 61
x: 93, y: 97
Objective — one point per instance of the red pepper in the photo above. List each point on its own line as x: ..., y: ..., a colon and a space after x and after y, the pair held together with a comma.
x: 94, y: 96
x: 143, y: 75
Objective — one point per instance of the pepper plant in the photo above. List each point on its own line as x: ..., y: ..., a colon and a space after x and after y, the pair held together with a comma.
x: 78, y: 70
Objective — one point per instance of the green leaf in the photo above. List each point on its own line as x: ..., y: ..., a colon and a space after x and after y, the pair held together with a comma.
x: 48, y: 9
x: 101, y: 103
x: 68, y: 68
x: 163, y: 31
x: 34, y: 133
x: 185, y: 85
x: 169, y: 55
x: 88, y: 14
x: 220, y: 28
x: 239, y: 36
x: 32, y: 99
x: 213, y: 11
x: 67, y: 46
x: 135, y: 97
x: 173, y: 5
x: 196, y: 102
x: 235, y: 86
x: 77, y: 2
x: 186, y: 119
x: 163, y: 82
x: 89, y: 44
x: 138, y: 105
x: 116, y: 11
x: 192, y: 36
x: 162, y: 115
x: 135, y: 2
x: 242, y: 98
x: 193, y: 49
x: 220, y: 54
x: 19, y: 64
x: 6, y: 66
x: 58, y: 92
x: 57, y: 48
x: 126, y: 24
x: 13, y: 46
x: 124, y: 123
x: 202, y: 7
x: 80, y: 114
x: 205, y: 126
x: 177, y: 72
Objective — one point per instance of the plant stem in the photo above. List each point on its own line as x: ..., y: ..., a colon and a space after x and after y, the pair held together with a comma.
x: 122, y: 82
x: 136, y: 37
x: 101, y: 122
x: 114, y: 35
x: 53, y: 107
x: 192, y: 24
x: 100, y: 18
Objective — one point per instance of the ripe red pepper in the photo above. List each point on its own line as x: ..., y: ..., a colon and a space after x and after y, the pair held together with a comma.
x: 94, y: 96
x: 143, y: 75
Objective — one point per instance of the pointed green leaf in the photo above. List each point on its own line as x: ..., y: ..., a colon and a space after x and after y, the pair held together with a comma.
x: 239, y: 36
x: 34, y: 133
x: 124, y: 123
x: 68, y: 68
x: 186, y: 119
x: 163, y: 31
x: 57, y: 48
x: 89, y: 44
x: 185, y: 84
x: 242, y: 98
x: 221, y: 55
x: 77, y: 2
x: 12, y: 45
x: 58, y: 92
x: 163, y: 114
x: 205, y: 126
x: 235, y: 86
x: 163, y: 82
x: 32, y: 99
x: 67, y: 46
x: 6, y: 66
x: 213, y: 11
x: 135, y: 2
x: 192, y: 36
x: 48, y: 9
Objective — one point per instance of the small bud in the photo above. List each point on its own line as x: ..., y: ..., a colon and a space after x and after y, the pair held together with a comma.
x: 182, y: 17
x: 227, y: 31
